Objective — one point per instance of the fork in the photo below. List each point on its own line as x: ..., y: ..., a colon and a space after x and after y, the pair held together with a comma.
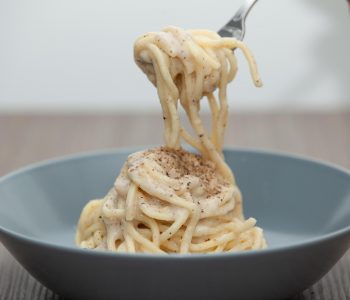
x: 236, y: 26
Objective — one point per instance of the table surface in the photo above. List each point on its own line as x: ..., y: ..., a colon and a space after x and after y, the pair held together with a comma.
x: 29, y: 138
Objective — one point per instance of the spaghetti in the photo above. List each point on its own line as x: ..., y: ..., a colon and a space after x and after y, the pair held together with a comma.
x: 166, y: 199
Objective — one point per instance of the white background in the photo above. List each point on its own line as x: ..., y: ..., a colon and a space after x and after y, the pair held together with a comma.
x: 71, y: 55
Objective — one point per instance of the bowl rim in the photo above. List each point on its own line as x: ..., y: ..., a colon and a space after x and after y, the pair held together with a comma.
x: 313, y: 241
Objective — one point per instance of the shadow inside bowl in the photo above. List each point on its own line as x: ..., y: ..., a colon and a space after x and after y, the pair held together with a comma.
x: 292, y: 199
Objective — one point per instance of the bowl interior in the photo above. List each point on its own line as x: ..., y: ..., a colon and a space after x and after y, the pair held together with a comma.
x: 293, y: 199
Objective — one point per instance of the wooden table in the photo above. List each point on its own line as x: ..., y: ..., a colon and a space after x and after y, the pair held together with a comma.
x: 26, y: 139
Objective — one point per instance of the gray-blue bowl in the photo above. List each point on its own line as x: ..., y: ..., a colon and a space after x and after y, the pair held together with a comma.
x: 303, y: 206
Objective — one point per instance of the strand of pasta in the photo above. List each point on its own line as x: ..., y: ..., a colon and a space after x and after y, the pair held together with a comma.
x: 168, y: 100
x: 130, y: 204
x: 214, y: 120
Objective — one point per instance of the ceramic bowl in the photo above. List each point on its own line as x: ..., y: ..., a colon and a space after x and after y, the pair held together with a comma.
x: 302, y: 205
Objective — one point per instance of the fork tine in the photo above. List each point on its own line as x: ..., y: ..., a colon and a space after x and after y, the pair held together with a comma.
x: 234, y: 29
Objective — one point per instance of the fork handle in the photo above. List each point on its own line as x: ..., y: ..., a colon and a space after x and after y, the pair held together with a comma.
x: 236, y: 26
x: 244, y: 10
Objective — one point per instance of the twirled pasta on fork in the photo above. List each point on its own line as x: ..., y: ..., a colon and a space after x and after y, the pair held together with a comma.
x: 166, y: 199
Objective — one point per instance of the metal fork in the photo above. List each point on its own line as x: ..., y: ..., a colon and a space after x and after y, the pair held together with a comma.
x: 236, y: 26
